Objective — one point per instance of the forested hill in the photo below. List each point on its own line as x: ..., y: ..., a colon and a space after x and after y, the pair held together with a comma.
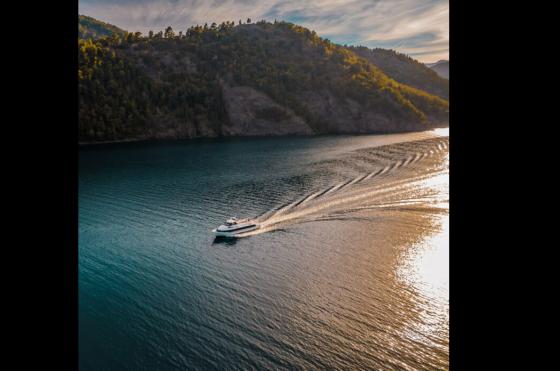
x: 91, y: 28
x: 405, y: 70
x: 239, y: 79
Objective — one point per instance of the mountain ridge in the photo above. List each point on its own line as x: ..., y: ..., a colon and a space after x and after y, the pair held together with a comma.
x: 440, y: 67
x: 89, y: 27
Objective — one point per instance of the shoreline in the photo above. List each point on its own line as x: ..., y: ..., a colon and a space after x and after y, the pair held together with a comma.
x: 116, y: 141
x: 167, y: 140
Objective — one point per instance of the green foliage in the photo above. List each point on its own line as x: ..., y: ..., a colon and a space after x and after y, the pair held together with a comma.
x: 133, y: 86
x: 169, y: 34
x: 91, y: 28
x: 112, y: 99
x: 405, y: 70
x: 118, y: 99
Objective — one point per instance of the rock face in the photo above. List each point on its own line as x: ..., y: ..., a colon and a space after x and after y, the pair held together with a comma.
x: 349, y: 117
x: 342, y: 117
x: 253, y: 113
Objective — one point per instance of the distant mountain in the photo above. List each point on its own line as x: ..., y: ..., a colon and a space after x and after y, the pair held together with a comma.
x: 441, y: 67
x: 91, y: 28
x: 430, y: 65
x: 238, y: 80
x: 405, y: 70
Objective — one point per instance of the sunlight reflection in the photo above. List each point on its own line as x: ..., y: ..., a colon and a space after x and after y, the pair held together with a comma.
x: 426, y: 270
x: 444, y: 132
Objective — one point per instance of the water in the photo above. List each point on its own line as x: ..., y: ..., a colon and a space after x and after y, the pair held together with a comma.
x: 349, y: 271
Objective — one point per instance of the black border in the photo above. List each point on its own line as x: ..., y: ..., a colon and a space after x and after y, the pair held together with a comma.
x: 479, y: 249
x: 43, y: 151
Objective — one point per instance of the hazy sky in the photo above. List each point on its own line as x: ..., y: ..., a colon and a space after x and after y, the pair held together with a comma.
x: 419, y: 28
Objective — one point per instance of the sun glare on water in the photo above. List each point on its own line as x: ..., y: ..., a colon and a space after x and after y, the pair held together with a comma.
x: 444, y: 132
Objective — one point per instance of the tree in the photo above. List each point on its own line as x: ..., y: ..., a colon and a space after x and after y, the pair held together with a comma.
x: 150, y: 34
x: 116, y: 39
x: 169, y: 33
x: 248, y: 20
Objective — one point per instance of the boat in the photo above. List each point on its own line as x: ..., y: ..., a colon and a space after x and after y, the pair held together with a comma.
x: 234, y: 227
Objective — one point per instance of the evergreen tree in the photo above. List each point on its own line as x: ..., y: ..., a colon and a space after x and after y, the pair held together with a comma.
x: 169, y: 33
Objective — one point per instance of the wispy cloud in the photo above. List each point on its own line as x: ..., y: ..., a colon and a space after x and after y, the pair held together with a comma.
x: 419, y: 28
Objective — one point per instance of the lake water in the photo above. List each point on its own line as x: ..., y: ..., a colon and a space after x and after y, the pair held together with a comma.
x: 349, y: 269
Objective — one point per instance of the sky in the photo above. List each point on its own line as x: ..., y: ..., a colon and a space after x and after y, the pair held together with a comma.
x: 419, y: 28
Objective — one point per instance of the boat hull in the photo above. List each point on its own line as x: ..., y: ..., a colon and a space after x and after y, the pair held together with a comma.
x: 234, y: 234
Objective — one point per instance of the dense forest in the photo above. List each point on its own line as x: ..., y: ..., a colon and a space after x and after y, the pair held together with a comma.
x: 244, y: 79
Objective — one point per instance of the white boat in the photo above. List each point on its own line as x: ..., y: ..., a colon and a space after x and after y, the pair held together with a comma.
x: 235, y: 226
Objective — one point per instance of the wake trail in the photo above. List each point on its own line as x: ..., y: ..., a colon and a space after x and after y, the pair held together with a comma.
x: 413, y: 163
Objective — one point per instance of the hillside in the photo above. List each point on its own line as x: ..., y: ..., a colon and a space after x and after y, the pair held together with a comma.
x: 249, y: 79
x: 91, y: 28
x: 441, y: 68
x: 405, y: 70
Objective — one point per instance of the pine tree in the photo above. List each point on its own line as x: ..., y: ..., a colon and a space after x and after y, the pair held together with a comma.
x: 169, y: 33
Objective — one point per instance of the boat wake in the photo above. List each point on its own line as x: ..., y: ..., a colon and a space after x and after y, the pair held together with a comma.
x: 405, y: 176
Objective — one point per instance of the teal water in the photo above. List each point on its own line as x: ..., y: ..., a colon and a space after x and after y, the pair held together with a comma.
x: 350, y: 269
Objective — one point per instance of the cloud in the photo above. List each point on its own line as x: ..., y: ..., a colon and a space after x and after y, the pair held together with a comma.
x: 419, y: 28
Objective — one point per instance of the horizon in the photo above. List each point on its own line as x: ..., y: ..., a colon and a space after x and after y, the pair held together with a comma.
x: 419, y: 29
